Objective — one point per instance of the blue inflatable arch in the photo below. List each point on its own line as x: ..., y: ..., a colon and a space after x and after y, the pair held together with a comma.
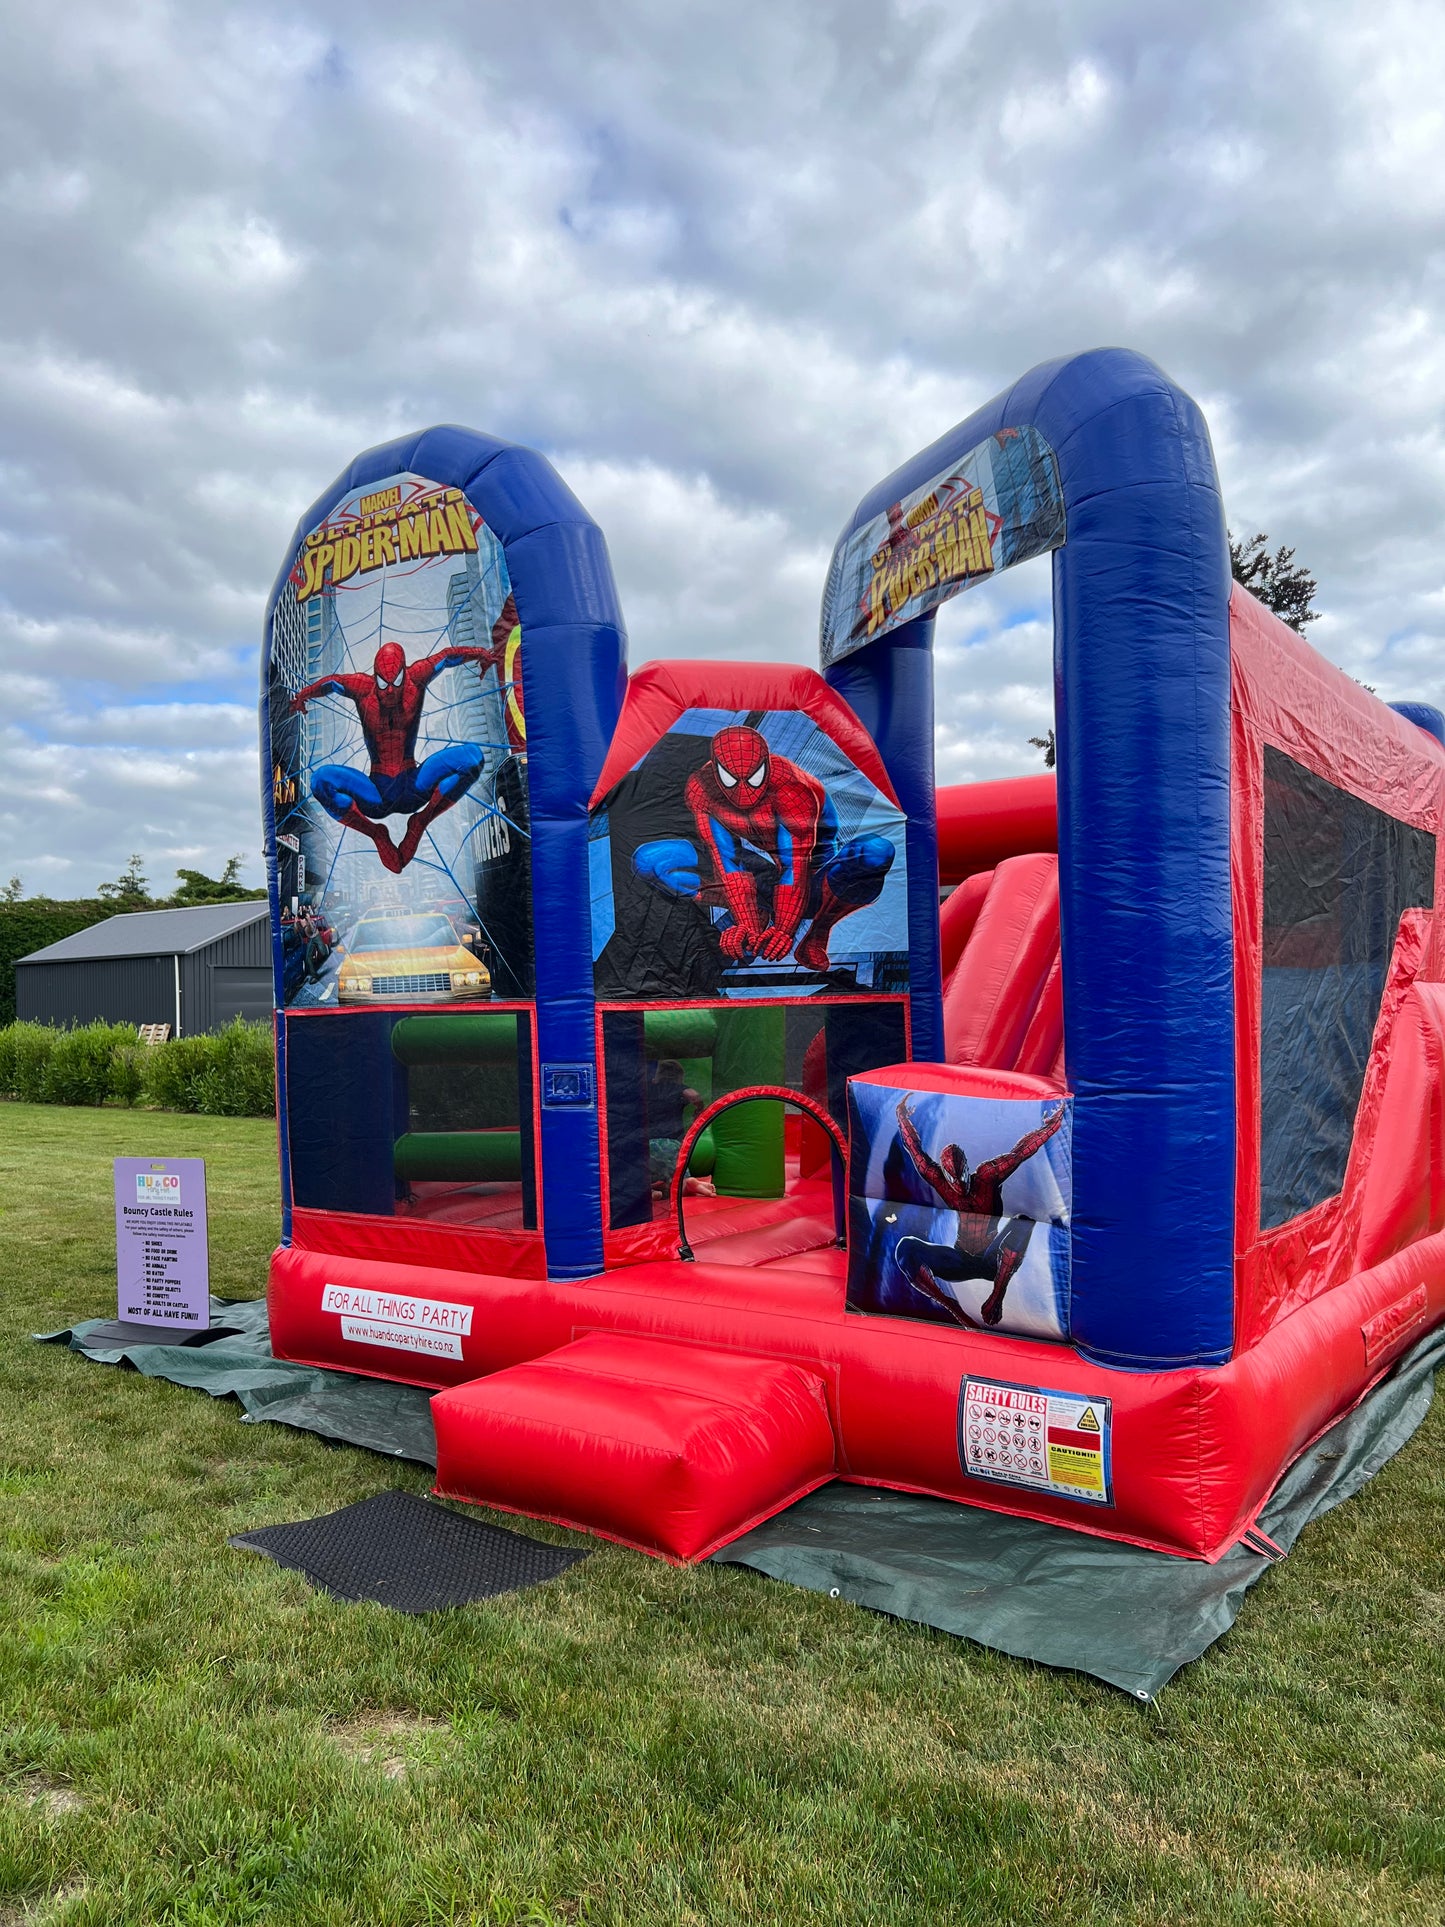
x: 1141, y: 688
x: 574, y: 657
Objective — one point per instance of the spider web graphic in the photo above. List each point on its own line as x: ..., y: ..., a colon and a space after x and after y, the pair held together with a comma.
x: 426, y: 606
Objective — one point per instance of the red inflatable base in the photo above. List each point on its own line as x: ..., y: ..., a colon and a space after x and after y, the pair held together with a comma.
x: 1180, y: 1461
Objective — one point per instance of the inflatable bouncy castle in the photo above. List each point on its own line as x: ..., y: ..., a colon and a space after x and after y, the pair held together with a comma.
x: 637, y: 1094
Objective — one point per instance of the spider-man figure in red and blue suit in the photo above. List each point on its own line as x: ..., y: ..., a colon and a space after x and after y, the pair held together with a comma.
x: 987, y: 1244
x: 389, y: 702
x: 770, y: 834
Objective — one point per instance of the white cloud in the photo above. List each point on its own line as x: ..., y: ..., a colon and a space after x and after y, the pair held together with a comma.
x: 219, y: 251
x: 699, y: 575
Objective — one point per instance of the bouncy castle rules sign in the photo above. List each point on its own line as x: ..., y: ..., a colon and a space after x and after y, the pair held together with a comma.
x: 162, y: 1261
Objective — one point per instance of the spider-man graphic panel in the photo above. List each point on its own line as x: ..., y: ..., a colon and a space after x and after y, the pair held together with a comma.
x: 988, y: 1244
x: 964, y: 1210
x: 424, y: 771
x: 766, y: 855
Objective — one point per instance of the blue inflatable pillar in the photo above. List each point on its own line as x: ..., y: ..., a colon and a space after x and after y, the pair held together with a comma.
x: 889, y: 687
x: 1425, y: 716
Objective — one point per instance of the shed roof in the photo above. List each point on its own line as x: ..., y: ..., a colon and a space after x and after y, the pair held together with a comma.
x: 152, y: 933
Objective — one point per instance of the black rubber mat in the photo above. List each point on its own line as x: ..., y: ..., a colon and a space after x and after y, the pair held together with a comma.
x: 409, y: 1554
x: 118, y: 1333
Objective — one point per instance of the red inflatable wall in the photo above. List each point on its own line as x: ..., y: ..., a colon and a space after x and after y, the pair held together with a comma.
x: 979, y: 824
x: 1287, y: 699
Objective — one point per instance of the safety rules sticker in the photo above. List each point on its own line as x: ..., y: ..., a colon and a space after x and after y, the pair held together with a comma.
x: 1054, y: 1442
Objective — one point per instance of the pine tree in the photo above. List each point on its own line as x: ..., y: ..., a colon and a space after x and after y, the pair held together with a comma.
x: 1277, y: 580
x: 128, y: 892
x: 197, y: 887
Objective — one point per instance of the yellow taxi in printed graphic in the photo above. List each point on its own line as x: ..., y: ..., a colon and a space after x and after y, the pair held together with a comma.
x: 419, y: 956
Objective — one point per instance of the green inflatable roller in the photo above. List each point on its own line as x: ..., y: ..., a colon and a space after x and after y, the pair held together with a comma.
x: 751, y: 1049
x: 490, y: 1037
x: 679, y: 1033
x: 477, y: 1157
x: 469, y: 1037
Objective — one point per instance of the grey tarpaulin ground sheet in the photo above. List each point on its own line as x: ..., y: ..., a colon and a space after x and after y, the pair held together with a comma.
x: 1040, y: 1592
x: 394, y: 1419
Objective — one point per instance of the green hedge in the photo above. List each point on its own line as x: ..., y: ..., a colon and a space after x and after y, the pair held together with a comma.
x: 229, y: 1073
x: 30, y: 925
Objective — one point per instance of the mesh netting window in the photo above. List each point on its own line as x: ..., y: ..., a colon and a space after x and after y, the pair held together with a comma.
x: 663, y: 1066
x: 414, y: 1116
x: 1338, y: 874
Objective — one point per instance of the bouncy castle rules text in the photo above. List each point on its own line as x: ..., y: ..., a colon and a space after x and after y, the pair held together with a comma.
x: 162, y: 1259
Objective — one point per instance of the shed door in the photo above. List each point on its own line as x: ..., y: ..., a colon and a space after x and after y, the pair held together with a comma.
x: 240, y: 990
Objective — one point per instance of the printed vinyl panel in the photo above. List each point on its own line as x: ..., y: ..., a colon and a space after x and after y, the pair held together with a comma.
x: 996, y: 505
x: 746, y: 856
x: 398, y: 754
x: 959, y: 1209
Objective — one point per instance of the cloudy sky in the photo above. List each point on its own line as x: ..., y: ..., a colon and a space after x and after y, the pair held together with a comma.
x: 727, y: 264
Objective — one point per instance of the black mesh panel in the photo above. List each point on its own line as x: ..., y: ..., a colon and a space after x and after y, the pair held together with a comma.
x: 1338, y: 873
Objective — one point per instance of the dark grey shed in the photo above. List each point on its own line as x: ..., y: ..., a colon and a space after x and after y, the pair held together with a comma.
x: 192, y: 969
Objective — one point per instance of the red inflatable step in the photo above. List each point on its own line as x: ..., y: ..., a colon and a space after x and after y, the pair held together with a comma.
x: 674, y: 1449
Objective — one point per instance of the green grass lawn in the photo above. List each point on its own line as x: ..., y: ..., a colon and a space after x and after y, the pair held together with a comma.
x: 192, y: 1735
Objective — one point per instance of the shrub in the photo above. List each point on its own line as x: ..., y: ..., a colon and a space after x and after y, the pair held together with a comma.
x: 173, y: 1072
x: 81, y: 1068
x: 231, y: 1074
x: 240, y: 1079
x: 29, y: 1047
x: 127, y: 1071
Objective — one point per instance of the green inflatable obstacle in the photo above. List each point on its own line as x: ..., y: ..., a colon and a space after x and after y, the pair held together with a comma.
x: 461, y: 1157
x: 718, y: 1051
x: 683, y: 1034
x: 483, y: 1046
x: 748, y: 1139
x: 468, y: 1037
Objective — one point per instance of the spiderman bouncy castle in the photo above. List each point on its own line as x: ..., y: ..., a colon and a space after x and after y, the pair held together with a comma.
x: 636, y: 1094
